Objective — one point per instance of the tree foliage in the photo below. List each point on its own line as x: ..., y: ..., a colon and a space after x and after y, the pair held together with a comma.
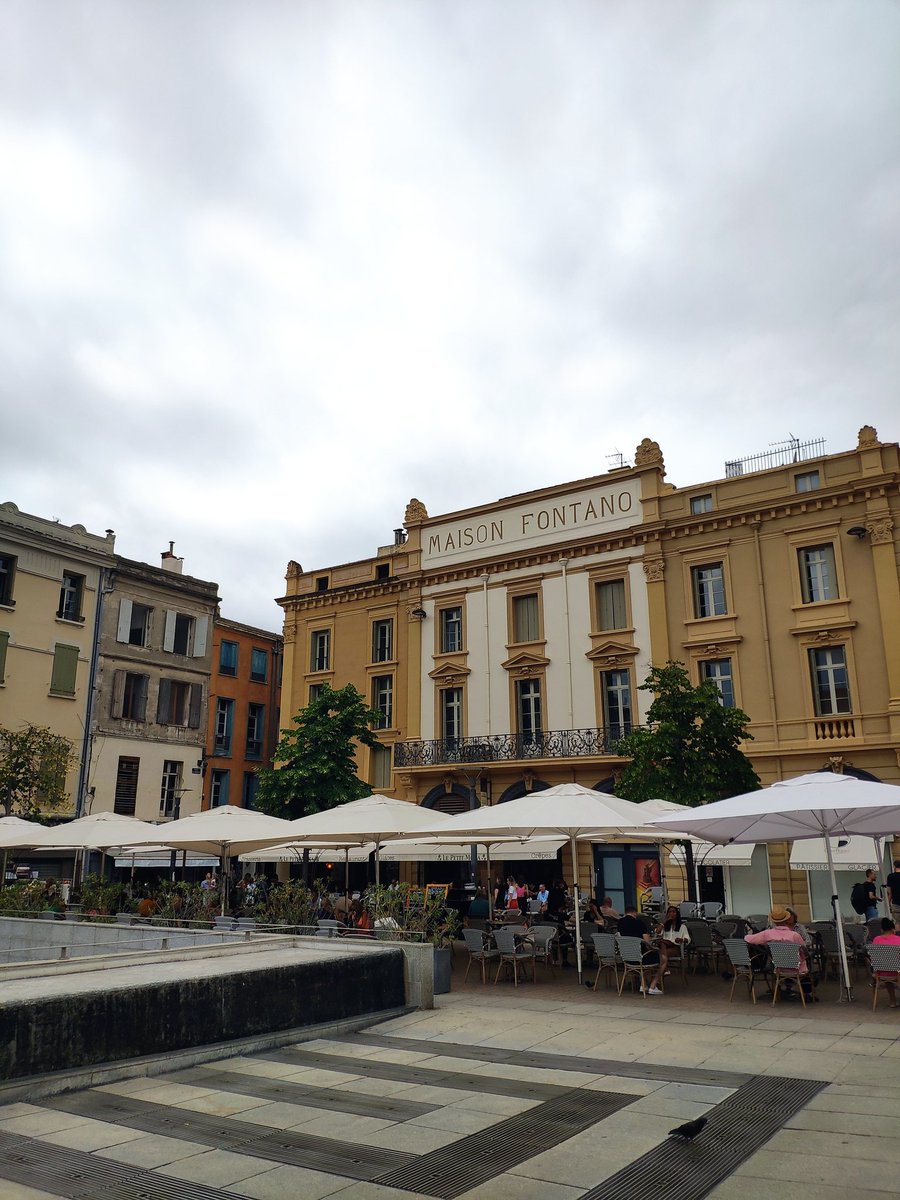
x: 34, y: 763
x: 690, y: 752
x: 315, y: 760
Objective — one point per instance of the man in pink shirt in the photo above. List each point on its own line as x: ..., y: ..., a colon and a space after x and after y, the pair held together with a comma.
x: 780, y: 931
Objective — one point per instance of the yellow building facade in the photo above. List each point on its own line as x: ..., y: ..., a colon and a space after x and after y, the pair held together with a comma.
x: 503, y: 645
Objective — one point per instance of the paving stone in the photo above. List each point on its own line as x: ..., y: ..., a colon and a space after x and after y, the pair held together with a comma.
x: 846, y: 1146
x: 217, y: 1168
x: 854, y: 1175
x: 150, y: 1151
x: 290, y: 1183
x: 847, y: 1122
x: 92, y: 1135
x: 43, y: 1122
x: 517, y: 1187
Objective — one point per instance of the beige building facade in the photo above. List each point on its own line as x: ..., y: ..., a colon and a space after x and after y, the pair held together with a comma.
x: 504, y: 644
x: 151, y: 707
x: 51, y: 580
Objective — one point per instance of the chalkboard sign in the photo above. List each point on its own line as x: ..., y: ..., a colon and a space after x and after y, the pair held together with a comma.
x: 437, y: 891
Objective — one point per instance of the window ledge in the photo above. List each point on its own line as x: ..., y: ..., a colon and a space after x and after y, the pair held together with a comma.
x: 8, y: 606
x: 62, y: 695
x: 79, y: 621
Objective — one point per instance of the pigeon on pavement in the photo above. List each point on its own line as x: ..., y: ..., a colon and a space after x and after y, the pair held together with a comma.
x: 689, y: 1130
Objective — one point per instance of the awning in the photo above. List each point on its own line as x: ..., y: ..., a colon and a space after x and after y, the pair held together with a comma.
x: 850, y: 854
x: 163, y: 858
x: 708, y: 854
x: 535, y: 850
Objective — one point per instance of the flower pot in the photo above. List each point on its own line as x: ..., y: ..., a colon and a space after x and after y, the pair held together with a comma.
x: 442, y: 962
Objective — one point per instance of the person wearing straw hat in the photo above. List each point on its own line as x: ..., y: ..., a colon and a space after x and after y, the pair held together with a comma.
x: 780, y: 930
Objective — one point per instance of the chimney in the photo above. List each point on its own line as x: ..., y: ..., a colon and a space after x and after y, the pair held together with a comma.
x: 170, y: 562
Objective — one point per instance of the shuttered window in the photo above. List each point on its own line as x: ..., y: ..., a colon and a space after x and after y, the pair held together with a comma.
x: 65, y: 669
x: 611, y: 611
x: 4, y: 642
x: 126, y: 786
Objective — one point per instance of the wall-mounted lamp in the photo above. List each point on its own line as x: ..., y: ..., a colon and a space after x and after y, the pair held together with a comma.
x: 857, y: 531
x: 419, y: 613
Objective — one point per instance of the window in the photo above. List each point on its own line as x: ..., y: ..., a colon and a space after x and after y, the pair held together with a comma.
x: 382, y: 570
x: 126, y: 786
x: 320, y: 654
x: 709, y: 590
x: 4, y: 642
x: 611, y: 610
x: 322, y: 583
x: 383, y: 700
x: 315, y: 691
x: 382, y: 641
x: 134, y: 623
x: 228, y: 658
x: 451, y: 715
x: 256, y: 724
x: 701, y: 504
x: 529, y: 711
x: 817, y: 574
x: 381, y: 766
x: 526, y: 623
x: 259, y: 665
x: 219, y: 787
x: 71, y: 597
x: 249, y: 789
x: 719, y: 672
x: 7, y: 579
x: 185, y: 634
x: 616, y: 687
x: 170, y: 789
x: 224, y: 726
x: 831, y: 687
x: 808, y: 481
x: 65, y: 669
x: 134, y: 695
x: 179, y: 703
x: 451, y: 630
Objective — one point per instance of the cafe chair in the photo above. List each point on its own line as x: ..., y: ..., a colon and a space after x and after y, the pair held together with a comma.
x: 479, y: 951
x: 711, y: 910
x: 704, y: 949
x: 745, y: 966
x: 544, y: 945
x: 786, y: 967
x: 885, y: 963
x: 631, y: 954
x: 607, y: 957
x: 512, y: 953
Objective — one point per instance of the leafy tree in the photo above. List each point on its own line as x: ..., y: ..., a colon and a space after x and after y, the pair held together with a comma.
x: 315, y: 760
x: 34, y: 763
x: 690, y: 752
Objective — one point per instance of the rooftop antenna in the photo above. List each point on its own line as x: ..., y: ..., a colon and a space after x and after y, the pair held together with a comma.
x: 616, y: 461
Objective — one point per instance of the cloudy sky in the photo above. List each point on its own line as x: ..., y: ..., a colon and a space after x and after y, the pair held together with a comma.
x: 268, y: 269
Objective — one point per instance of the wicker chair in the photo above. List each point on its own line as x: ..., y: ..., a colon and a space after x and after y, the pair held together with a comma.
x: 607, y: 957
x: 743, y: 966
x: 543, y: 939
x: 631, y: 956
x: 512, y: 952
x: 885, y: 961
x: 704, y: 948
x: 479, y: 951
x: 786, y: 966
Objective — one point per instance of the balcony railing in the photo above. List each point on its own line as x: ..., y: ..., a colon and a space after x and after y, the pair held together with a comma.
x: 511, y: 747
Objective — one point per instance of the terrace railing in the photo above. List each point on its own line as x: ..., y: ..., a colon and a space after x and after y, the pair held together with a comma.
x: 511, y: 747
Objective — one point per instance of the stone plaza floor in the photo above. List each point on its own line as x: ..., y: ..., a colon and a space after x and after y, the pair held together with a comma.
x: 546, y: 1091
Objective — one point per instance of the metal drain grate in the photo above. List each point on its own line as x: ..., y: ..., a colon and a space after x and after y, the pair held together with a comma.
x: 738, y: 1127
x: 553, y: 1062
x: 387, y: 1108
x: 480, y: 1157
x: 350, y: 1159
x: 78, y: 1176
x: 410, y: 1073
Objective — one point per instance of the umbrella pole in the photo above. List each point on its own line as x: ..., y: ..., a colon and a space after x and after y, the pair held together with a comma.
x: 346, y: 872
x: 885, y: 895
x: 3, y: 877
x: 490, y: 885
x: 224, y: 876
x: 378, y: 864
x: 574, y: 845
x: 838, y: 924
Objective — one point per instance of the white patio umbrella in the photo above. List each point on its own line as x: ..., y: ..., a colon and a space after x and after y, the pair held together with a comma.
x: 224, y: 831
x: 372, y: 819
x: 568, y: 810
x: 18, y: 834
x: 821, y: 805
x: 97, y: 831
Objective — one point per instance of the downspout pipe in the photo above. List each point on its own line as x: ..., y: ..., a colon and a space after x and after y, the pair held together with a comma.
x: 88, y: 741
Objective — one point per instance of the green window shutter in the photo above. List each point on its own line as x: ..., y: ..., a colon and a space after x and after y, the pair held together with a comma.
x: 65, y: 668
x: 4, y: 642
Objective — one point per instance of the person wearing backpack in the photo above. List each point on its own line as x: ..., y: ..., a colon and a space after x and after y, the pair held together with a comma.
x: 864, y: 897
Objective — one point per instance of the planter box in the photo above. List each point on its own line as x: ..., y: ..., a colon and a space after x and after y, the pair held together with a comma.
x: 442, y: 964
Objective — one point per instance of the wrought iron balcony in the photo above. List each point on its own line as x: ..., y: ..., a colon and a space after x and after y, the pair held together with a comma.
x: 511, y: 747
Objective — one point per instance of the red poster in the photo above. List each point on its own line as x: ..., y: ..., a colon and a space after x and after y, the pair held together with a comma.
x: 646, y: 876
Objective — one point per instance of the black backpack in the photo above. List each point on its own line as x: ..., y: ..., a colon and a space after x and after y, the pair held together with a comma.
x: 858, y: 898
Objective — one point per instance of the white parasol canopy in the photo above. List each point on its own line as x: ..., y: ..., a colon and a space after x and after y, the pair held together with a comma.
x: 820, y: 805
x: 568, y: 810
x: 18, y: 834
x: 99, y: 831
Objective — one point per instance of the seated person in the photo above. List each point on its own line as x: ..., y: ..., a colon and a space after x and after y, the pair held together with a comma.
x: 674, y: 933
x: 593, y: 913
x: 606, y: 908
x: 557, y: 911
x: 542, y: 896
x: 888, y: 937
x: 630, y: 926
x: 478, y: 909
x: 780, y: 931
